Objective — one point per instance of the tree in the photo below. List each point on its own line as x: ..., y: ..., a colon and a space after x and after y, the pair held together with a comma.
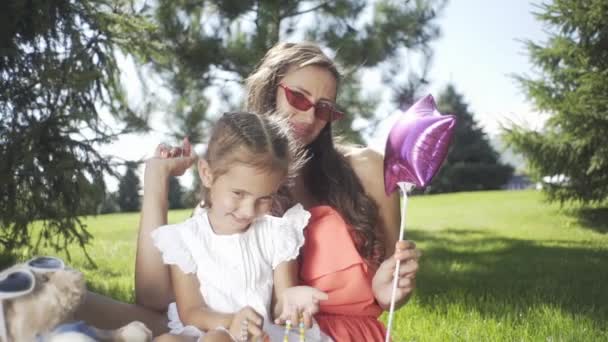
x: 110, y: 204
x: 58, y: 74
x: 128, y: 189
x: 218, y: 43
x: 175, y: 194
x: 192, y: 196
x: 571, y: 87
x: 471, y: 163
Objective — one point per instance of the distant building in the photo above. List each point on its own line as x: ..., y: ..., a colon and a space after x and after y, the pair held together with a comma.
x: 555, y: 180
x: 519, y: 182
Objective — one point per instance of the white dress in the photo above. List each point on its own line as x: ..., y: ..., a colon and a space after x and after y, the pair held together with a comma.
x: 234, y: 270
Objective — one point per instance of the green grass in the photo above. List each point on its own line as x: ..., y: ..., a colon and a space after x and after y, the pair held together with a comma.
x: 497, y: 266
x: 505, y: 266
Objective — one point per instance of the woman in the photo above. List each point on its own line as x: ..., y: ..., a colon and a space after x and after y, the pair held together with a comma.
x: 350, y: 250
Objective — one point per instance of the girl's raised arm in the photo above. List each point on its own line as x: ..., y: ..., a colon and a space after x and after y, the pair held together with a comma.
x: 152, y: 279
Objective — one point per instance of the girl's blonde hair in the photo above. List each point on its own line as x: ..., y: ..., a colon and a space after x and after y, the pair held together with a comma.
x: 263, y: 142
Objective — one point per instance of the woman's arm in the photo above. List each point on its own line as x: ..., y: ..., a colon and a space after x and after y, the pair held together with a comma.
x: 106, y: 313
x: 152, y: 279
x: 369, y: 167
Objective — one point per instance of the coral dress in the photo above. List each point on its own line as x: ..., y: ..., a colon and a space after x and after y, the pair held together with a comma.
x: 331, y: 263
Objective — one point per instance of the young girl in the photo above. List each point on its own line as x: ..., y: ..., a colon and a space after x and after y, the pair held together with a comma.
x: 232, y: 266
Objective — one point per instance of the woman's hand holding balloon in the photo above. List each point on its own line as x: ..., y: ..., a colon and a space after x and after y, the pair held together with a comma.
x: 382, y: 284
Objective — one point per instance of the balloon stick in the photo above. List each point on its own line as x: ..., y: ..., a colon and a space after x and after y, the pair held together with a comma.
x: 404, y: 187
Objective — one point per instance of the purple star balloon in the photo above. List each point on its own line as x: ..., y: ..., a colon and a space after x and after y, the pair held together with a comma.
x: 417, y: 145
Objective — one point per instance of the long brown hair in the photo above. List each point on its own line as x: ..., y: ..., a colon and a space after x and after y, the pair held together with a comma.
x: 328, y: 175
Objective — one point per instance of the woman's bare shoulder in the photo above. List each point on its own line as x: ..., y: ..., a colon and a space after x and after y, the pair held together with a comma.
x: 364, y: 157
x: 368, y: 164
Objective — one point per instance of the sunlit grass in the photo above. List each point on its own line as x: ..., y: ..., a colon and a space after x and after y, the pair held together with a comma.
x: 497, y: 266
x: 113, y: 251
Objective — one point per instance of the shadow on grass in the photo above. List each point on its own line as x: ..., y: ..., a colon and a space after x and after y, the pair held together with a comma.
x: 595, y: 219
x: 7, y: 260
x: 496, y: 276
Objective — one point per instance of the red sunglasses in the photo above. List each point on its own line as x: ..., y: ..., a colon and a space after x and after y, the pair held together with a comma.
x: 324, y: 110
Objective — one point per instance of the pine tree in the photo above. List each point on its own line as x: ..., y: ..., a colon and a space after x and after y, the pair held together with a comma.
x: 58, y: 73
x: 175, y: 194
x: 471, y: 164
x: 572, y: 87
x: 128, y: 189
x: 110, y: 204
x: 193, y: 196
x: 218, y: 43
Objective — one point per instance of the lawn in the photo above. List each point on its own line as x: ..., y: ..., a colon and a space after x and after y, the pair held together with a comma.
x: 497, y: 266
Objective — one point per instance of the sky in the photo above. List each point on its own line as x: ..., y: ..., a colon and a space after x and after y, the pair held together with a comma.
x: 479, y: 50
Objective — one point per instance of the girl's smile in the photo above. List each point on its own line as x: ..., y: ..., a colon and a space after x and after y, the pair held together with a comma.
x: 239, y: 195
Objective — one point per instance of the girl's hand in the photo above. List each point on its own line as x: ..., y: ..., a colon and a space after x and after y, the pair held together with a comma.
x: 300, y: 301
x: 247, y: 322
x: 382, y: 284
x: 171, y: 160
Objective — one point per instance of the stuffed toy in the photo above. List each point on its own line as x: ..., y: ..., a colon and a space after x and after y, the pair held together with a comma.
x: 38, y: 299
